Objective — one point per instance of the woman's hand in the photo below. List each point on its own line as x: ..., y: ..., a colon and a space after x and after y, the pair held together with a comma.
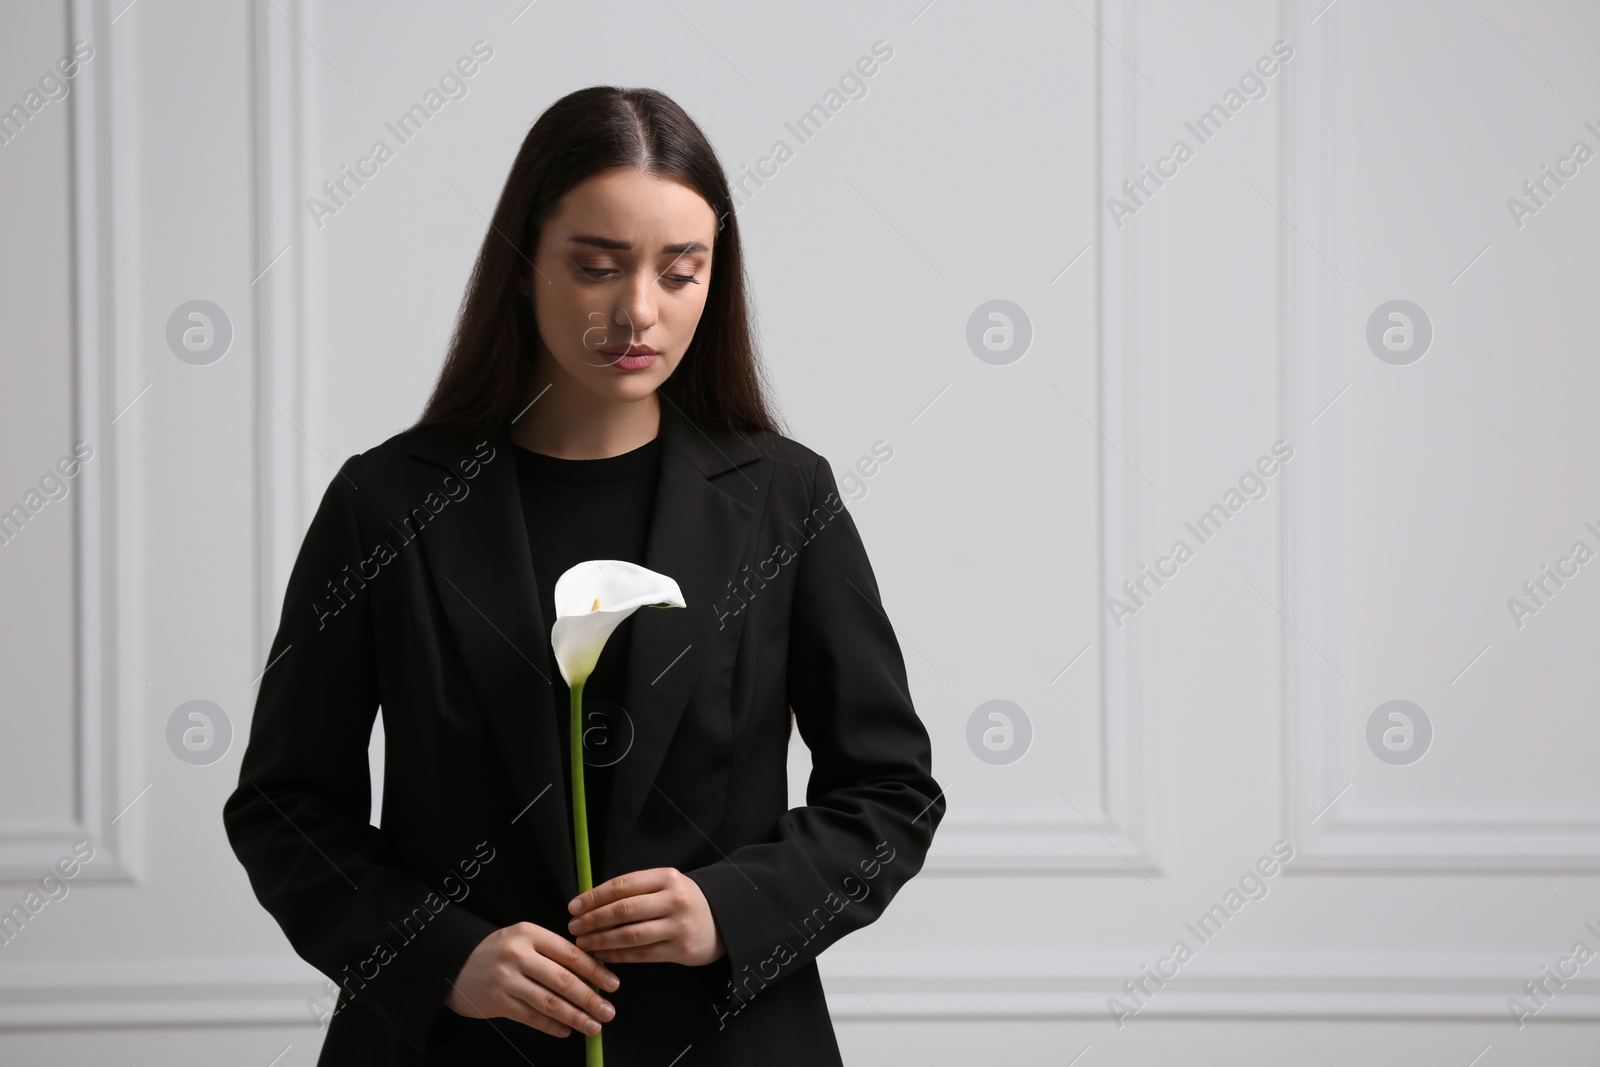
x: 536, y: 977
x: 654, y: 916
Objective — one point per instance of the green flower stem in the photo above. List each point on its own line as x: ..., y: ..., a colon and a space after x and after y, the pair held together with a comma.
x: 580, y: 829
x: 580, y: 811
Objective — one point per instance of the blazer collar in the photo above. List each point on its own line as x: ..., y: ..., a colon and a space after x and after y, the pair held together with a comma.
x: 478, y: 558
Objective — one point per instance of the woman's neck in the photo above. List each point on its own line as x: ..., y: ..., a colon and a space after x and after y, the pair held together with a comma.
x: 586, y: 426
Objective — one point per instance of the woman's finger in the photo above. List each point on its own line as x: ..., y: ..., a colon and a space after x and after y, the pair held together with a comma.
x: 578, y: 961
x: 525, y: 1013
x: 621, y: 912
x: 623, y: 886
x: 631, y: 937
x: 552, y: 996
x: 660, y: 952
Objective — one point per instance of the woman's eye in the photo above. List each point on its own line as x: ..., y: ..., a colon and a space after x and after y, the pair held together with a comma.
x: 679, y: 280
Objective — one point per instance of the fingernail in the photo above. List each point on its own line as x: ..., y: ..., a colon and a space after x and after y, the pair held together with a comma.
x: 607, y: 1011
x: 592, y: 1027
x: 612, y: 981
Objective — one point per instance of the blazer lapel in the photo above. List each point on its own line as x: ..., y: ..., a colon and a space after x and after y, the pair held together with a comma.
x: 698, y: 535
x: 477, y: 552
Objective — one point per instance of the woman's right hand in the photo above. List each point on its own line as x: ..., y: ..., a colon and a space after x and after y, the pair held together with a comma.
x: 533, y: 976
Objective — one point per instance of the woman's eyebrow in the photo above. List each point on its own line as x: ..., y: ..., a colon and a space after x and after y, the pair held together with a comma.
x: 680, y: 248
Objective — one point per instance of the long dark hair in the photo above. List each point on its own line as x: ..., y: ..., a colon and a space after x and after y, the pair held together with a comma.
x: 483, y: 383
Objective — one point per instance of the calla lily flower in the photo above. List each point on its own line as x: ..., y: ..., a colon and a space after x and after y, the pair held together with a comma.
x: 591, y: 601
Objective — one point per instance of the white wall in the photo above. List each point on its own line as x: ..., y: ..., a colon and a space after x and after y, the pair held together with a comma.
x: 1174, y: 341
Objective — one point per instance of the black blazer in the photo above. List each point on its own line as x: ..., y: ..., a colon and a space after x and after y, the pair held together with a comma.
x: 414, y: 591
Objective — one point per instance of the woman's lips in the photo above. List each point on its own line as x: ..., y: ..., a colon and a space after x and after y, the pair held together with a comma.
x: 633, y: 357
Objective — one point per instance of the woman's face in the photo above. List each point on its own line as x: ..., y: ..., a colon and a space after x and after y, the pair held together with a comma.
x: 621, y: 272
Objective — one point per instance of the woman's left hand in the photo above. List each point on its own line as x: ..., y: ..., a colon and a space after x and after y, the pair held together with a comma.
x: 654, y: 916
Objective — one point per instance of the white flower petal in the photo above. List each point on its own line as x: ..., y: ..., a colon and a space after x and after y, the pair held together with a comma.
x: 591, y: 600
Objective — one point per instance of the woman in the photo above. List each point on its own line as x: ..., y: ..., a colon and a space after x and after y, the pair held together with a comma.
x: 601, y: 399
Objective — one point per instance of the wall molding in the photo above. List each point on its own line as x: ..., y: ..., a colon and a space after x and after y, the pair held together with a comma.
x: 189, y: 993
x: 1116, y: 838
x: 1326, y: 985
x: 906, y: 986
x: 1337, y: 843
x: 283, y: 459
x: 104, y: 586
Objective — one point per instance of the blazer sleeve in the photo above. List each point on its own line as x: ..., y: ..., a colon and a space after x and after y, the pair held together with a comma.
x: 300, y: 819
x: 872, y: 804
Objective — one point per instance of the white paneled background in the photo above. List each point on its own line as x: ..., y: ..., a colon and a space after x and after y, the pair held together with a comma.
x: 1173, y: 340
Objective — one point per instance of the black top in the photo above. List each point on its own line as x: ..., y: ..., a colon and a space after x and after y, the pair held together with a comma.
x: 576, y: 510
